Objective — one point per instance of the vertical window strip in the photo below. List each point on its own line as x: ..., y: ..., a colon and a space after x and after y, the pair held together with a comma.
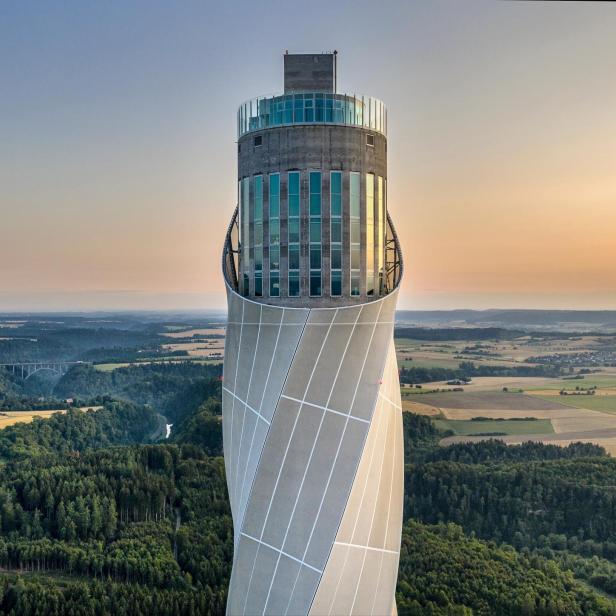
x: 293, y: 228
x: 274, y: 234
x: 258, y: 234
x: 246, y: 233
x: 335, y: 213
x: 381, y: 235
x: 314, y: 206
x: 370, y: 234
x: 354, y: 220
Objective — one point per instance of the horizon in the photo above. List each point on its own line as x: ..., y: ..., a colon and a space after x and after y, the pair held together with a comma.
x: 119, y: 157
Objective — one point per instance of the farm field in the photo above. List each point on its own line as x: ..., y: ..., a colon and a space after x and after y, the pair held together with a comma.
x: 10, y: 418
x: 558, y: 422
x: 521, y: 350
x: 606, y: 403
x: 189, y: 333
x: 504, y: 427
x: 203, y: 348
x: 475, y: 402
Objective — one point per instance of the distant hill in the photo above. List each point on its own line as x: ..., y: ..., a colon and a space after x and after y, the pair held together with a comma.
x: 566, y: 320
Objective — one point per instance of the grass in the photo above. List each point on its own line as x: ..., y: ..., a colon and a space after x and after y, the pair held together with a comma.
x: 590, y: 380
x: 463, y: 427
x: 605, y: 404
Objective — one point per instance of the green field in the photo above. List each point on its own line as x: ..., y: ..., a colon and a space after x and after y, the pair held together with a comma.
x: 463, y: 427
x: 605, y: 404
x: 591, y: 380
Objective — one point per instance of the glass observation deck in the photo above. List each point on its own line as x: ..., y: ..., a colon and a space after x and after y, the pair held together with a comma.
x: 311, y: 108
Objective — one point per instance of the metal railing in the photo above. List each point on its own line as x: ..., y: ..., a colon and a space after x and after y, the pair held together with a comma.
x: 231, y: 253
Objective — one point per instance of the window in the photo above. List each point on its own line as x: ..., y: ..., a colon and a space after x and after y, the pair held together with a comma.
x: 274, y: 234
x: 258, y: 141
x: 370, y: 140
x: 354, y: 219
x: 274, y: 290
x: 335, y: 212
x: 314, y: 185
x: 293, y: 284
x: 336, y: 283
x: 369, y: 233
x: 258, y: 232
x: 245, y: 227
x: 293, y: 188
x: 380, y: 226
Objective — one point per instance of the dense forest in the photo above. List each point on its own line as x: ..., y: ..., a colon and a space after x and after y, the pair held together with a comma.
x: 96, y: 518
x: 466, y: 370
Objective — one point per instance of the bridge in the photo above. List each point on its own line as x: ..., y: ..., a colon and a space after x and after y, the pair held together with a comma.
x: 26, y: 369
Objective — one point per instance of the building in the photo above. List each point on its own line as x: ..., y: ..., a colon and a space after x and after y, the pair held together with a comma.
x: 312, y: 419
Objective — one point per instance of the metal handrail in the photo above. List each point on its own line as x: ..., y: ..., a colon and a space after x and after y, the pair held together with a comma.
x: 229, y: 266
x: 394, y: 264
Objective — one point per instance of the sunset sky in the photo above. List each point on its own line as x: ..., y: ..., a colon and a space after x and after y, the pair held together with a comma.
x: 118, y: 154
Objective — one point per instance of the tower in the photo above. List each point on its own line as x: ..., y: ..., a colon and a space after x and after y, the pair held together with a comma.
x: 312, y: 418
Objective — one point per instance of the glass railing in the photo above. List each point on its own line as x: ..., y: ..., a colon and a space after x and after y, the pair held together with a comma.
x: 311, y: 108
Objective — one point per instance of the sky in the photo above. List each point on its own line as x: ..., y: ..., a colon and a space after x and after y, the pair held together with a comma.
x: 118, y: 154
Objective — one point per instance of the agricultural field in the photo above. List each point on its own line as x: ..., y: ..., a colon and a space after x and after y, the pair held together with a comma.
x: 519, y: 350
x: 495, y: 427
x: 199, y: 332
x: 506, y: 381
x: 10, y: 418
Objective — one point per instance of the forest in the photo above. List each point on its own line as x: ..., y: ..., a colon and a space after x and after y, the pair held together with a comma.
x: 96, y: 518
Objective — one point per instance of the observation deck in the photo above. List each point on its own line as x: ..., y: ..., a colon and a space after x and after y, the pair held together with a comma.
x: 309, y: 108
x: 231, y: 254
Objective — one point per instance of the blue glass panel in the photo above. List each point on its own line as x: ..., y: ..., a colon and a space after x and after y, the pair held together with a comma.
x: 274, y: 285
x: 336, y: 230
x: 336, y: 182
x: 293, y: 284
x: 315, y: 230
x: 336, y: 257
x: 274, y: 254
x: 258, y: 197
x: 258, y: 284
x: 293, y: 205
x: 294, y: 230
x: 274, y: 228
x: 259, y: 232
x: 336, y: 283
x: 315, y: 182
x: 315, y: 205
x: 315, y: 283
x: 293, y: 257
x: 315, y: 257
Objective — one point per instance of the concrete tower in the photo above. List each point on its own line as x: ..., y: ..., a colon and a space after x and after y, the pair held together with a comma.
x: 311, y: 399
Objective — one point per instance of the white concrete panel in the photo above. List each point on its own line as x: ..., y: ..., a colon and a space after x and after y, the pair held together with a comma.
x: 361, y: 572
x: 297, y: 478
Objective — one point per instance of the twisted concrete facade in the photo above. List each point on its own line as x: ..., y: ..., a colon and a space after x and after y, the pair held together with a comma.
x: 314, y: 457
x: 312, y: 419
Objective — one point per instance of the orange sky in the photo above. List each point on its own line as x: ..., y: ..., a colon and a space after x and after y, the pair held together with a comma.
x: 117, y: 147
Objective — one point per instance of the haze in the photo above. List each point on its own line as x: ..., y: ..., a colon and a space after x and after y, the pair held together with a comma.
x: 118, y: 155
